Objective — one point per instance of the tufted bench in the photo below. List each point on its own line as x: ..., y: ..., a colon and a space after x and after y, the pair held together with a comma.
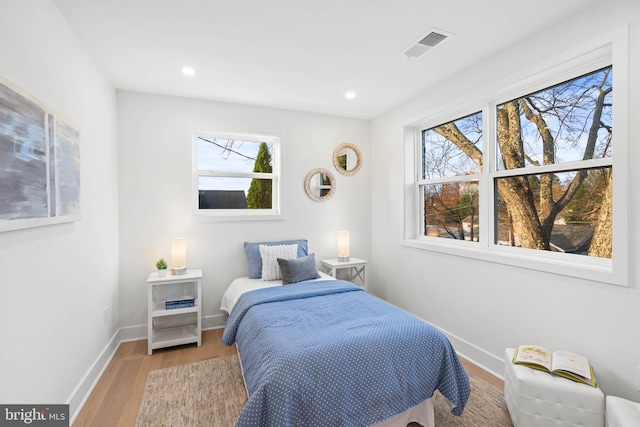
x: 536, y: 398
x: 622, y: 412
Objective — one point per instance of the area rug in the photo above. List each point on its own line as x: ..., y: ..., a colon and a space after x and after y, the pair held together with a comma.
x: 485, y: 408
x: 211, y: 393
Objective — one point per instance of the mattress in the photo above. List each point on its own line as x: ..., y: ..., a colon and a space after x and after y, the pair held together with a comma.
x: 243, y: 284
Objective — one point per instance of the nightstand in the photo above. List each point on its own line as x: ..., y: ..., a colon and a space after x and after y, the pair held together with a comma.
x: 357, y: 268
x: 174, y: 303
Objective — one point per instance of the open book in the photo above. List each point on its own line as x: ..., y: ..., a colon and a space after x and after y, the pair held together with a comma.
x: 569, y: 365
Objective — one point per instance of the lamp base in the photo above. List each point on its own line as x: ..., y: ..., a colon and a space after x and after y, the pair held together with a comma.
x: 175, y: 271
x: 343, y: 259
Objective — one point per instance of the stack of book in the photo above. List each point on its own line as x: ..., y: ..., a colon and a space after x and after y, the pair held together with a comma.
x: 180, y: 303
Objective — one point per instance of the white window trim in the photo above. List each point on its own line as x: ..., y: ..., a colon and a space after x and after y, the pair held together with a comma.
x: 610, y: 48
x: 209, y: 215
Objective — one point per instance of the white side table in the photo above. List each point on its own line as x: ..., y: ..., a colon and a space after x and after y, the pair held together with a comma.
x: 357, y: 268
x: 176, y: 326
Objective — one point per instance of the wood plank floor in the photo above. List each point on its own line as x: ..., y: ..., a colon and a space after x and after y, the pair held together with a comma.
x: 116, y: 398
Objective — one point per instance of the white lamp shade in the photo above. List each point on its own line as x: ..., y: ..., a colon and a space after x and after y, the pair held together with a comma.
x: 343, y: 245
x: 178, y: 254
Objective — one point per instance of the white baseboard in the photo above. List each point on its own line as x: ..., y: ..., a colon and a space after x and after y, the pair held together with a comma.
x: 130, y: 333
x: 214, y: 322
x: 474, y: 354
x: 133, y: 333
x: 82, y: 391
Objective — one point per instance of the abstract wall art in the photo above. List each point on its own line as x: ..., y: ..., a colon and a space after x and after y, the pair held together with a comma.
x: 39, y: 163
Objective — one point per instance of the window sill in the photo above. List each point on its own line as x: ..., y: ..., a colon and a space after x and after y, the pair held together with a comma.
x: 236, y: 215
x: 577, y: 266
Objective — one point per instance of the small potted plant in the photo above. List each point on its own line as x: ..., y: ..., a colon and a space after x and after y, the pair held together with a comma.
x: 161, y: 265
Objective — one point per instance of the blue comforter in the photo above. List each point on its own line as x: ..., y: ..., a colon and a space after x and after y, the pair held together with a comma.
x: 329, y: 354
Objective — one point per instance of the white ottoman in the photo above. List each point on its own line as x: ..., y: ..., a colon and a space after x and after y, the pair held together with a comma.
x: 622, y: 412
x: 536, y: 398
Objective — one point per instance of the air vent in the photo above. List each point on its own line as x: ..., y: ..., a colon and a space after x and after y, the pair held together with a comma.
x: 431, y: 40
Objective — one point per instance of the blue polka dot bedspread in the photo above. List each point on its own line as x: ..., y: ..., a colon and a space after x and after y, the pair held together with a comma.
x: 327, y: 353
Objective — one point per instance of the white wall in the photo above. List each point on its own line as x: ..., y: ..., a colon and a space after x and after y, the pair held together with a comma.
x: 56, y: 280
x: 485, y: 307
x: 154, y: 161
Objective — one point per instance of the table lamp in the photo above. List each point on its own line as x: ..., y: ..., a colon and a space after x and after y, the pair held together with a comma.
x: 178, y: 256
x: 343, y: 246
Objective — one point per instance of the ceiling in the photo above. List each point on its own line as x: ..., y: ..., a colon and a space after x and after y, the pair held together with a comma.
x: 299, y: 54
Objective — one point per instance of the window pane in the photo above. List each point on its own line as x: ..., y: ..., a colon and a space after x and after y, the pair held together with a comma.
x: 563, y: 212
x: 451, y: 210
x: 228, y: 155
x: 564, y: 123
x: 453, y: 148
x: 234, y: 193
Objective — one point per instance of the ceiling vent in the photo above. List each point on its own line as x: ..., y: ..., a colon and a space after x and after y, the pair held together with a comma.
x: 425, y: 43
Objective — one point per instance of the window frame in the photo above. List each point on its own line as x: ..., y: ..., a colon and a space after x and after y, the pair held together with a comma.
x: 609, y: 49
x: 275, y: 213
x: 421, y: 182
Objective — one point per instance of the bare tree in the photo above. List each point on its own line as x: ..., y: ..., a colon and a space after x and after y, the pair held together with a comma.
x: 574, y: 115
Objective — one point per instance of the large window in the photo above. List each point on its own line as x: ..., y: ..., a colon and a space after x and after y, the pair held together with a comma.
x: 236, y: 175
x: 566, y: 132
x: 526, y: 176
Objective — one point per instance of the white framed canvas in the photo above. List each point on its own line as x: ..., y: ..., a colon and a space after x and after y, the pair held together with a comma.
x: 39, y: 163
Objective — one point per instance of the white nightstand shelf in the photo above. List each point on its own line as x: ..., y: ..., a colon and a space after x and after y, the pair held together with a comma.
x: 168, y: 337
x: 159, y: 310
x: 357, y: 268
x: 177, y: 326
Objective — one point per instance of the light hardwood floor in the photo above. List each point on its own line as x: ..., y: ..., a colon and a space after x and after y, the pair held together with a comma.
x: 117, y: 395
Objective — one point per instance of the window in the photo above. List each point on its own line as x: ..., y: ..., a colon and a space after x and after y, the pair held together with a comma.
x: 526, y: 175
x: 451, y: 162
x: 565, y: 131
x: 236, y: 176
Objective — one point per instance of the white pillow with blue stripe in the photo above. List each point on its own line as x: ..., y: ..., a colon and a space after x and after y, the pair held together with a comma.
x: 254, y: 261
x: 270, y: 255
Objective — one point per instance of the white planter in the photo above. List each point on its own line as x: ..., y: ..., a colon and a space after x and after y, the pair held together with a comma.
x: 162, y: 273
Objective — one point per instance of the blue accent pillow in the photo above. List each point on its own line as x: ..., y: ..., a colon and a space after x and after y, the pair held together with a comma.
x: 298, y: 269
x: 254, y: 260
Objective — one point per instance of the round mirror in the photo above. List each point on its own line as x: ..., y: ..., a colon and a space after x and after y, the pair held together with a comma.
x: 347, y: 158
x: 320, y: 185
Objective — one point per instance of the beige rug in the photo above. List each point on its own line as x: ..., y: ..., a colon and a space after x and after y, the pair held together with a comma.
x: 485, y: 408
x: 211, y: 393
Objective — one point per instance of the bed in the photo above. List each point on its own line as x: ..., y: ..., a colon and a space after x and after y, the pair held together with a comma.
x: 323, y: 352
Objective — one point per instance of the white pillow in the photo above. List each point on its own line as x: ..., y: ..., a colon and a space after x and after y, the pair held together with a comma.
x: 270, y: 255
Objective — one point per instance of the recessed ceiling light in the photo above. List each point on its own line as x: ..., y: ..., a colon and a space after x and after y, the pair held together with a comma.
x: 188, y: 71
x: 350, y: 95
